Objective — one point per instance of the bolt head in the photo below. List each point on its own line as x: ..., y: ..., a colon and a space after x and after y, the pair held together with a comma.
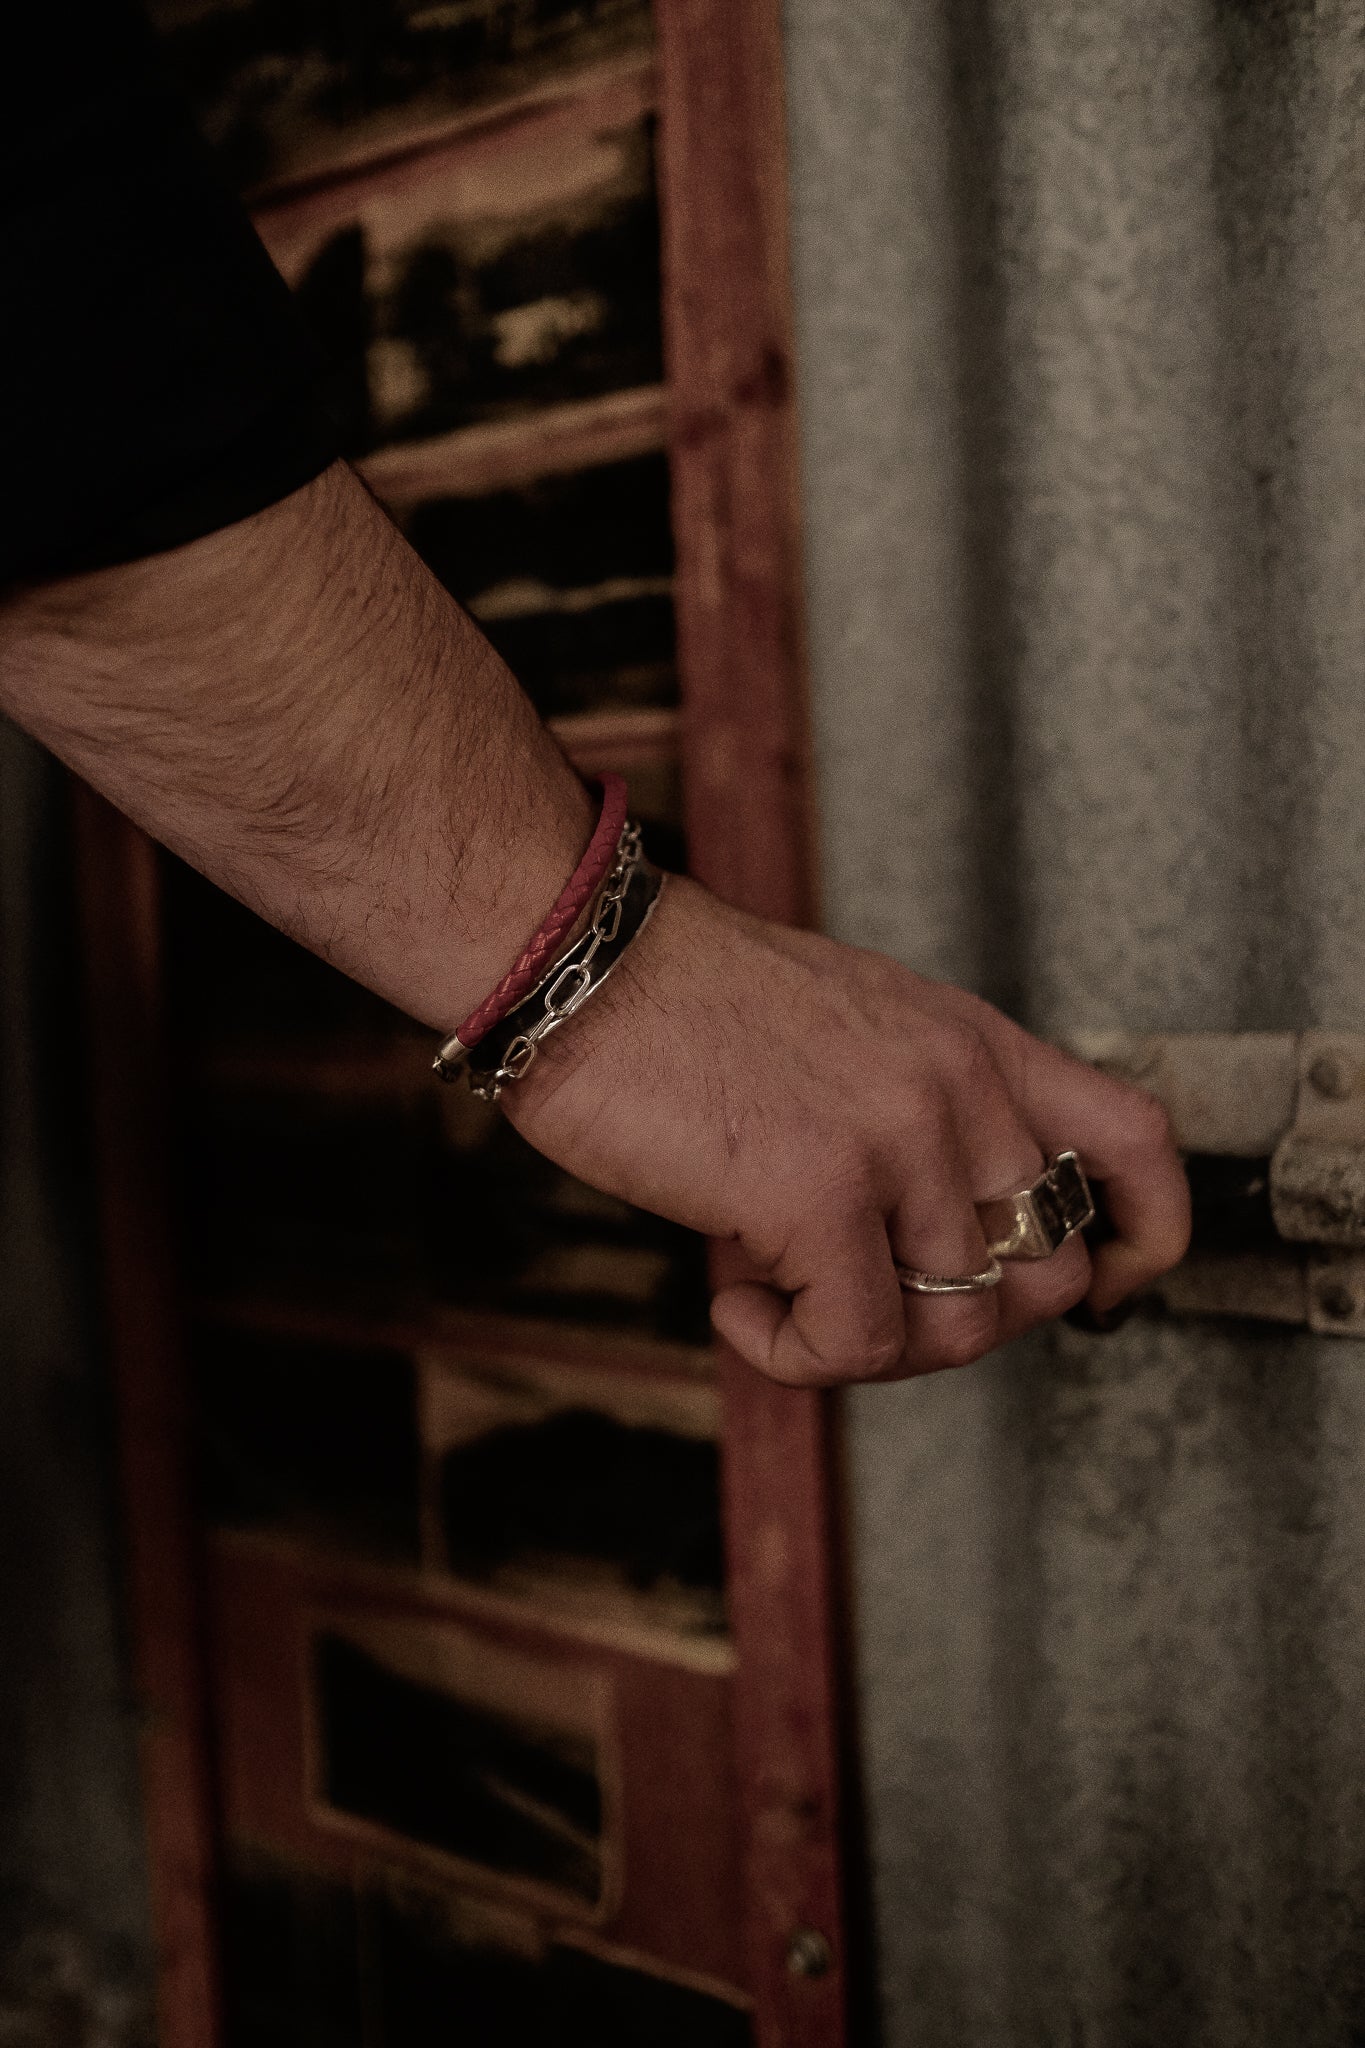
x: 1329, y: 1076
x: 808, y: 1953
x: 1337, y: 1301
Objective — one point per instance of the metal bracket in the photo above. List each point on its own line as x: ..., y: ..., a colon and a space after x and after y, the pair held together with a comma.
x: 1273, y: 1128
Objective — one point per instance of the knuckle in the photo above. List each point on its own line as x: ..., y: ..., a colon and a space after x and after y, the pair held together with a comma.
x: 1066, y: 1280
x: 1046, y: 1292
x: 962, y: 1348
x: 790, y: 1372
x: 1149, y: 1122
x: 839, y: 1167
x: 972, y: 1086
x: 967, y: 1336
x: 844, y: 1338
x: 887, y: 980
x: 1036, y: 1293
x: 978, y: 1075
x: 1075, y: 1287
x: 881, y: 1356
x: 928, y: 1114
x: 842, y: 1365
x: 1170, y: 1244
x: 830, y: 1195
x: 959, y: 1051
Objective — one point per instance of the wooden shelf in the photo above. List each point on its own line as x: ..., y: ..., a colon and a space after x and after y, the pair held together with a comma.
x: 502, y: 454
x: 381, y: 145
x: 635, y: 1624
x: 458, y: 1332
x: 623, y: 740
x: 394, y: 1070
x: 598, y: 100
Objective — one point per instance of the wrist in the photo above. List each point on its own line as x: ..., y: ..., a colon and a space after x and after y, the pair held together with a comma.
x: 497, y: 890
x: 613, y: 891
x: 624, y: 1034
x: 636, y: 1094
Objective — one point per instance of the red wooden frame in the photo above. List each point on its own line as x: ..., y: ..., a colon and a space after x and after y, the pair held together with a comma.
x: 120, y: 910
x: 749, y: 810
x: 668, y: 1831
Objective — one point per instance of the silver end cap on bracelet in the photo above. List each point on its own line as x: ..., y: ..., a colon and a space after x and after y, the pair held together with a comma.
x: 451, y: 1058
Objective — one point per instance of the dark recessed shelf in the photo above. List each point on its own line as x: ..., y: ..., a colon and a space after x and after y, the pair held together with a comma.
x: 459, y: 1332
x: 313, y: 1959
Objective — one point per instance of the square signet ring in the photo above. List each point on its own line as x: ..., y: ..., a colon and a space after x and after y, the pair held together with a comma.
x: 1033, y: 1223
x: 1037, y: 1221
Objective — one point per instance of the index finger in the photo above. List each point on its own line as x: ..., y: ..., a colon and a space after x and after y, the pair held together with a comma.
x: 1123, y: 1136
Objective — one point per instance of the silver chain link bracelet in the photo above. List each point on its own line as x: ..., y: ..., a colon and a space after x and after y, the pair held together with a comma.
x: 624, y: 906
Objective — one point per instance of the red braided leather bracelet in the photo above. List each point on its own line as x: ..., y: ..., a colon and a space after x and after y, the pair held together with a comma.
x: 578, y: 891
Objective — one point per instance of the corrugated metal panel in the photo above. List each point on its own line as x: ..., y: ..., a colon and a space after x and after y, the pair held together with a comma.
x: 1080, y: 294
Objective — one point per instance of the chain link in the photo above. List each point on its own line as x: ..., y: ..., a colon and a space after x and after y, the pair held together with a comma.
x: 606, y: 922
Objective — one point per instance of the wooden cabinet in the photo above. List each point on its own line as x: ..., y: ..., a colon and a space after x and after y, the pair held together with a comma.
x: 483, y: 1607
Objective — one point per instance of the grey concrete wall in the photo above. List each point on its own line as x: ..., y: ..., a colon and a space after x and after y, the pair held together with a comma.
x: 1080, y: 294
x: 73, y: 1930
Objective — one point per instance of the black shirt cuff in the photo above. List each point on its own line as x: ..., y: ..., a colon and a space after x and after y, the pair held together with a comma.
x: 158, y: 383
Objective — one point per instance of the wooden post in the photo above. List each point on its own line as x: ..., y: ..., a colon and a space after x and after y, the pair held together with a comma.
x: 121, y: 917
x: 749, y: 810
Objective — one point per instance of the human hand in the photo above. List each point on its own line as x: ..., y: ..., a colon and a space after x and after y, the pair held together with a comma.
x: 835, y: 1114
x: 256, y: 699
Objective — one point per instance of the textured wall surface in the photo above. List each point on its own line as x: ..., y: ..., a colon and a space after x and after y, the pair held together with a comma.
x: 1083, y: 376
x: 73, y: 1940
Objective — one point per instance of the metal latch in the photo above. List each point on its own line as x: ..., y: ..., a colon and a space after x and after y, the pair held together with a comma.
x: 1272, y: 1125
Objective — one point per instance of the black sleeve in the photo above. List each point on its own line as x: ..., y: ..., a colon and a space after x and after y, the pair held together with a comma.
x: 157, y: 383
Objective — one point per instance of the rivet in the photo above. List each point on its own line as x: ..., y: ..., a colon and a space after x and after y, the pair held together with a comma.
x: 808, y: 1953
x: 1337, y: 1301
x: 1330, y: 1077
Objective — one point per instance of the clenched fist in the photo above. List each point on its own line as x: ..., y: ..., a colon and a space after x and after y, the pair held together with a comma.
x: 836, y: 1115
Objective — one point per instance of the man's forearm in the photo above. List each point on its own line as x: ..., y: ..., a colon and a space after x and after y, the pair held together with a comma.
x: 297, y: 707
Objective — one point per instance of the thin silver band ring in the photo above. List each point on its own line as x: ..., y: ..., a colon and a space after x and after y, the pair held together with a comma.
x: 915, y: 1282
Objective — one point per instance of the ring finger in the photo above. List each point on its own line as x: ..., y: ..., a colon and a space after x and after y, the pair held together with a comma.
x: 934, y: 1230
